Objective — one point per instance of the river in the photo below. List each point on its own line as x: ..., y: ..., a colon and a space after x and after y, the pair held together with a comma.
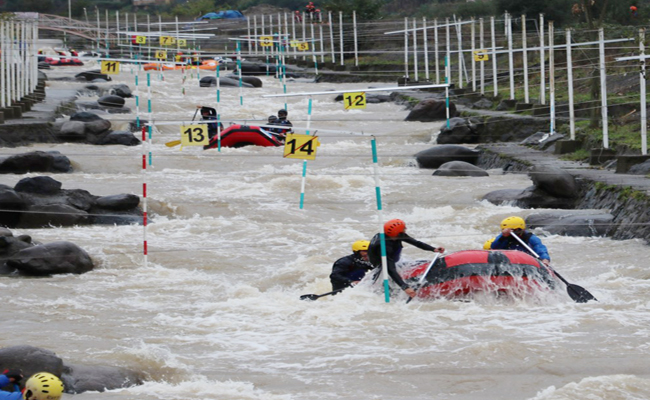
x: 215, y: 313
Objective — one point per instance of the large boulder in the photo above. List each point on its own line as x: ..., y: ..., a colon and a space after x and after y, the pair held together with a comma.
x: 84, y: 378
x: 38, y: 185
x: 43, y: 216
x: 10, y: 203
x: 251, y: 80
x: 10, y: 245
x: 52, y: 258
x: 429, y: 110
x: 572, y: 223
x: 121, y: 90
x: 530, y: 197
x: 35, y: 161
x: 434, y: 157
x: 118, y: 202
x: 73, y: 131
x: 119, y: 137
x: 554, y: 181
x: 85, y: 116
x: 542, y: 140
x: 209, y: 81
x: 640, y: 169
x: 459, y: 168
x: 460, y: 130
x: 91, y: 76
x: 111, y: 101
x: 99, y: 126
x: 31, y: 360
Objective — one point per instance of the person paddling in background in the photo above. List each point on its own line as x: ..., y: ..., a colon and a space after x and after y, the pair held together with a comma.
x: 11, y: 377
x: 517, y: 226
x: 210, y: 114
x: 349, y: 270
x: 395, y: 232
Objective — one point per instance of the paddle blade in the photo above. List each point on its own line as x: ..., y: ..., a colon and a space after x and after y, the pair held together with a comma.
x: 579, y: 294
x: 309, y: 297
x: 173, y: 143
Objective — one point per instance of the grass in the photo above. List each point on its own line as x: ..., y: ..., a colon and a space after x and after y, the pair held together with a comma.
x: 578, y: 155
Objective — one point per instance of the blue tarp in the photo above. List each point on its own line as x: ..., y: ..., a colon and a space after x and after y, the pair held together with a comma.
x: 223, y: 15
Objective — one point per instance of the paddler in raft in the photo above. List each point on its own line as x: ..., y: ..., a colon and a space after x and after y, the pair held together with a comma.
x: 517, y: 226
x: 395, y: 232
x: 349, y: 270
x: 210, y: 114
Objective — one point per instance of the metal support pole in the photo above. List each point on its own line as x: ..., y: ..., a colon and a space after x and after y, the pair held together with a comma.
x: 603, y: 88
x: 436, y: 57
x: 415, y: 51
x: 473, y: 45
x: 482, y: 46
x: 341, y: 36
x: 569, y: 69
x: 494, y: 58
x: 644, y: 112
x: 525, y: 58
x: 551, y: 74
x: 542, y: 78
x: 425, y: 40
x: 356, y: 43
x: 406, y: 49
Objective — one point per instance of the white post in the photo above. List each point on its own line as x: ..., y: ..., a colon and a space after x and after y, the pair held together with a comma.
x: 248, y: 32
x: 603, y: 88
x: 304, y: 30
x: 436, y: 57
x: 356, y: 44
x: 117, y: 21
x: 569, y: 69
x: 551, y: 74
x: 148, y: 37
x: 511, y: 64
x: 255, y: 37
x: 494, y: 58
x: 415, y: 51
x: 406, y: 48
x: 448, y: 53
x: 108, y: 46
x: 322, y: 44
x: 460, y: 54
x: 542, y: 78
x: 341, y: 36
x: 473, y: 45
x: 482, y: 46
x: 3, y: 63
x: 525, y: 58
x: 644, y: 112
x: 426, y: 49
x: 99, y: 28
x: 329, y: 20
x: 293, y: 34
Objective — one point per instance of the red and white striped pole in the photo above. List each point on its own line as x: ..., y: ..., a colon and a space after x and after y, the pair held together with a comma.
x: 144, y: 192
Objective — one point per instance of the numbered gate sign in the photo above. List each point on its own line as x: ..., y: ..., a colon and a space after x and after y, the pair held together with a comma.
x: 161, y: 55
x: 167, y: 40
x: 141, y: 39
x: 266, y: 41
x: 182, y: 42
x: 303, y: 46
x: 194, y: 135
x: 110, y: 67
x: 481, y: 55
x: 294, y: 43
x: 301, y: 146
x: 354, y: 100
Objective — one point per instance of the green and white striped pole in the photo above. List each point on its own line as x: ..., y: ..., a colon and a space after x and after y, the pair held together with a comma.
x: 304, y: 162
x: 218, y: 115
x: 150, y: 116
x: 380, y: 220
x: 241, y: 97
x: 447, y: 89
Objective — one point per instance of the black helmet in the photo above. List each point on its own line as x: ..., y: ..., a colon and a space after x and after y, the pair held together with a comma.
x: 272, y: 118
x: 282, y: 112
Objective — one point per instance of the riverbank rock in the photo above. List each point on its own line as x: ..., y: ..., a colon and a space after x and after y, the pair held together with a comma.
x: 459, y: 168
x: 210, y: 81
x: 554, y: 181
x: 256, y: 68
x: 438, y: 155
x: 112, y: 101
x: 572, y: 223
x: 41, y: 202
x: 51, y: 258
x: 530, y: 197
x: 429, y: 110
x: 92, y: 75
x: 460, y: 130
x: 251, y: 80
x: 640, y: 169
x: 89, y: 127
x: 76, y: 378
x: 35, y: 161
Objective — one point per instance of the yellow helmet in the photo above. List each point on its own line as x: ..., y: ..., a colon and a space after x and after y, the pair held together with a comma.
x: 488, y: 244
x: 43, y: 386
x: 513, y: 223
x: 360, y: 245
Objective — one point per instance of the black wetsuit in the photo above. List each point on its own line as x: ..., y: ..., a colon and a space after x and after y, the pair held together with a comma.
x: 393, y: 252
x: 348, y: 269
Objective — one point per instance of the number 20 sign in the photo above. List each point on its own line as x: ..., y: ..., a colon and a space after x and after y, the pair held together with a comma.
x: 354, y: 100
x: 194, y: 135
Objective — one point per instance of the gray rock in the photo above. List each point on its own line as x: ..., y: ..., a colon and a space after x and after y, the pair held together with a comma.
x: 542, y: 140
x: 73, y: 130
x: 31, y: 360
x: 10, y: 202
x: 38, y: 185
x: 483, y: 104
x: 640, y: 169
x: 209, y: 81
x: 429, y: 110
x: 98, y: 126
x: 528, y: 198
x: 111, y: 101
x: 83, y: 378
x: 52, y: 258
x: 35, y: 161
x: 43, y: 216
x: 573, y: 223
x: 459, y: 168
x: 92, y: 76
x: 554, y: 181
x: 120, y: 138
x: 121, y: 90
x: 118, y: 202
x: 251, y: 80
x: 434, y: 157
x: 459, y: 131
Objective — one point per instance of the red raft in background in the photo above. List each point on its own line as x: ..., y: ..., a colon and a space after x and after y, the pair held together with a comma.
x: 243, y: 135
x: 464, y: 273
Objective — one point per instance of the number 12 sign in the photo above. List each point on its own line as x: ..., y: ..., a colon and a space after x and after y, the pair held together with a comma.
x: 354, y: 100
x: 301, y: 146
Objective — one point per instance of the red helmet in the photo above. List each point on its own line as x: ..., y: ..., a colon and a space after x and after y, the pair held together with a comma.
x: 394, y: 227
x: 317, y: 10
x: 297, y: 12
x: 633, y: 8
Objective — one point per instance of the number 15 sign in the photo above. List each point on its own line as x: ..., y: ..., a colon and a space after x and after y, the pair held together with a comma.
x: 301, y: 146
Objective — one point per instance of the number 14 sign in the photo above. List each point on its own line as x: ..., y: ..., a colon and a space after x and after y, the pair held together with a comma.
x: 301, y: 146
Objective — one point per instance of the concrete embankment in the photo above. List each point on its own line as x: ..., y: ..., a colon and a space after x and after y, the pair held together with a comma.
x: 626, y: 197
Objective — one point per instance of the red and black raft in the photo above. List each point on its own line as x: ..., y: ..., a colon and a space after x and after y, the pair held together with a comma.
x: 243, y: 135
x: 464, y: 273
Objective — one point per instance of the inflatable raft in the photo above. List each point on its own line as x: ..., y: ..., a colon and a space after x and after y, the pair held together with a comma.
x: 465, y: 273
x: 210, y: 65
x: 242, y: 135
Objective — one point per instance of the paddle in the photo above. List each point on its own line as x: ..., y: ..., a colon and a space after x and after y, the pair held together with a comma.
x: 577, y: 293
x: 316, y: 296
x: 174, y: 143
x: 423, y: 277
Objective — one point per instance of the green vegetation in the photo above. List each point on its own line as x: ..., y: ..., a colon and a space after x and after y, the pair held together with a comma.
x: 579, y: 155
